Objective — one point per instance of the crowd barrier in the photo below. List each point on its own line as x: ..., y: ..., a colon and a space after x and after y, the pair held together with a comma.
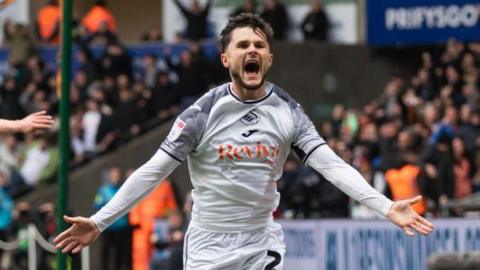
x: 370, y: 245
x: 35, y: 240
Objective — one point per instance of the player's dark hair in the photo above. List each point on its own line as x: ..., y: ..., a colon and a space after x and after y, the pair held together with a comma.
x: 245, y: 20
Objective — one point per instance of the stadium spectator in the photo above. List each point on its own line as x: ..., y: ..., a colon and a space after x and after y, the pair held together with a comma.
x: 165, y: 97
x: 315, y: 25
x: 35, y: 72
x: 22, y: 216
x: 461, y: 169
x: 97, y: 127
x: 197, y: 19
x: 285, y: 185
x: 99, y: 18
x: 150, y: 70
x: 10, y: 160
x: 152, y: 35
x: 10, y: 96
x: 402, y: 181
x: 41, y: 161
x: 18, y: 42
x: 143, y: 104
x: 469, y: 129
x: 115, y: 61
x: 81, y: 83
x: 85, y: 63
x: 275, y: 13
x: 248, y: 6
x: 76, y: 138
x: 48, y: 23
x: 170, y: 242
x: 158, y: 204
x: 127, y: 115
x: 160, y: 255
x: 338, y: 113
x: 192, y: 80
x: 116, y: 242
x: 6, y: 209
x: 387, y: 144
x: 9, y: 154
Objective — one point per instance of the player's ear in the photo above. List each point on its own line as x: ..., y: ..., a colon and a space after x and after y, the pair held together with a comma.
x: 270, y: 59
x: 224, y: 60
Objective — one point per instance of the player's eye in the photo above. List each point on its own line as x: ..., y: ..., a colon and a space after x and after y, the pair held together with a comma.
x: 260, y: 45
x: 242, y: 45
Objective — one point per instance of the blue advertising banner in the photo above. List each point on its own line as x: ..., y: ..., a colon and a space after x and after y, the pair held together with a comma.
x: 403, y: 22
x: 368, y: 245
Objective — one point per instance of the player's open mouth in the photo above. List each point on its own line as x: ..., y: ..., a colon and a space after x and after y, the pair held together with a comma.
x: 252, y: 67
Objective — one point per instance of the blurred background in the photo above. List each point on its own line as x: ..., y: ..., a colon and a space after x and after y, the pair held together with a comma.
x: 392, y: 85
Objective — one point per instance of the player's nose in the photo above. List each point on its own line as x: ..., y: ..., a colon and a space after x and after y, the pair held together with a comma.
x: 252, y: 48
x: 252, y: 52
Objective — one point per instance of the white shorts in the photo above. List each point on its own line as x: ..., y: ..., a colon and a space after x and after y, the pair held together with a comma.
x: 256, y: 250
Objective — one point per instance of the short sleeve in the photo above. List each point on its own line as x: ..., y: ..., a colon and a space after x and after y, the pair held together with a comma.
x: 306, y: 138
x: 184, y: 135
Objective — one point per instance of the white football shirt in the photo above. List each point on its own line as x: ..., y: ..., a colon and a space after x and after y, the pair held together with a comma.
x: 236, y: 150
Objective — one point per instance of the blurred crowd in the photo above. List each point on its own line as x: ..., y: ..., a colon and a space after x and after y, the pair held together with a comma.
x: 100, y: 23
x: 110, y: 103
x: 315, y: 25
x: 420, y: 137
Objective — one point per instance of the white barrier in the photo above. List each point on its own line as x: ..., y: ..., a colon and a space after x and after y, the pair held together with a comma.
x: 371, y: 245
x: 34, y: 237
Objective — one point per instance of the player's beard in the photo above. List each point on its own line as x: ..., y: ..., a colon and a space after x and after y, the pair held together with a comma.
x: 238, y: 79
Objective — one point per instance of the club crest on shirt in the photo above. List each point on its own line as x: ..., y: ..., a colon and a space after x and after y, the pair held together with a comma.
x: 177, y: 128
x: 251, y: 118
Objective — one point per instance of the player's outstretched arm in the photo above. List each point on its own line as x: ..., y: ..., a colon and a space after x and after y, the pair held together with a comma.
x: 84, y: 231
x: 350, y: 181
x: 81, y: 233
x: 403, y: 215
x: 38, y: 121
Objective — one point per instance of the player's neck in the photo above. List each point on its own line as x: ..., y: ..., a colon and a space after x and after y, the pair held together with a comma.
x: 245, y: 94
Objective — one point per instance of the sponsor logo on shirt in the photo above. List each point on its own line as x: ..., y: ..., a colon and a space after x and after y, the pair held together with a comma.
x: 256, y: 151
x: 249, y: 132
x: 177, y: 128
x: 251, y: 118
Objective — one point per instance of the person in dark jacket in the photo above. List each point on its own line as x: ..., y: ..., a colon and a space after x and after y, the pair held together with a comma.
x: 248, y: 6
x: 196, y: 19
x: 316, y: 25
x: 275, y: 14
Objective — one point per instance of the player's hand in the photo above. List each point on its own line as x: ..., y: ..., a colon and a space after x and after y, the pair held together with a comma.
x: 81, y: 233
x: 403, y: 215
x: 38, y: 121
